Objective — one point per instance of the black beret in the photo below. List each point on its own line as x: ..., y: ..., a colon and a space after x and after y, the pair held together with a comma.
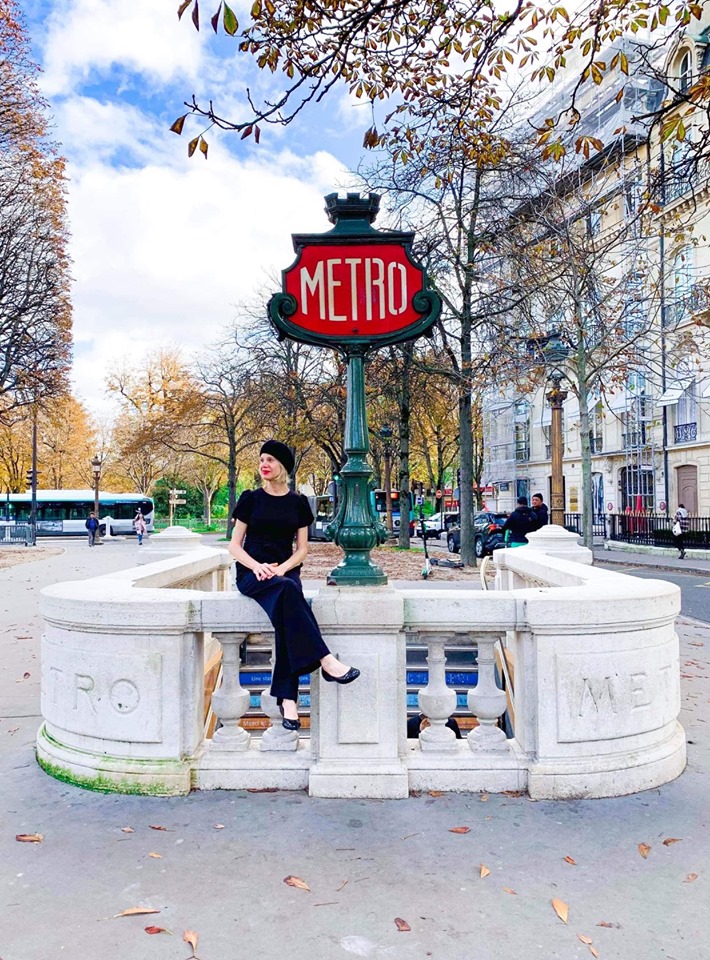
x: 282, y: 453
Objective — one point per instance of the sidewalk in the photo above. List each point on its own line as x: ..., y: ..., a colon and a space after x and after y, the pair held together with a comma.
x: 628, y: 558
x: 215, y: 862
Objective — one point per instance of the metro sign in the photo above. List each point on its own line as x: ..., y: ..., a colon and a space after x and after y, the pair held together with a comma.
x: 354, y: 284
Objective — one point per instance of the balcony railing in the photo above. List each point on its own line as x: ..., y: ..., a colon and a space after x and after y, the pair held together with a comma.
x: 684, y: 304
x: 685, y: 432
x: 596, y: 444
x: 522, y: 453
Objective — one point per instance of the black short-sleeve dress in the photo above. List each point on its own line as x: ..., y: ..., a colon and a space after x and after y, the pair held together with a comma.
x: 272, y: 523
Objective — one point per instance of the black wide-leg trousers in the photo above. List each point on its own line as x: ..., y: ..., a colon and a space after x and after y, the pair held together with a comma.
x: 299, y: 645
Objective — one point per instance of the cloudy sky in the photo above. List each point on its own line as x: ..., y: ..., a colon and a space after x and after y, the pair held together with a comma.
x: 165, y: 247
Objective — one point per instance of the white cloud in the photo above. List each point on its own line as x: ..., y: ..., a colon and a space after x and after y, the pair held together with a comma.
x: 162, y: 253
x: 143, y: 36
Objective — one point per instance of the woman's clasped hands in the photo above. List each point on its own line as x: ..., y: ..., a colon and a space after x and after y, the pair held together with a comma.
x: 265, y: 571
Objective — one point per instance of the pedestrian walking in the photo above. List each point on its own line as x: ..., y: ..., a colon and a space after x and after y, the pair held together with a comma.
x: 92, y: 526
x: 267, y: 520
x: 681, y: 525
x: 520, y: 523
x: 140, y: 527
x: 539, y: 508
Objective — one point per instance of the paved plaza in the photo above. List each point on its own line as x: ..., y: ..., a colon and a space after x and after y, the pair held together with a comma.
x: 215, y: 862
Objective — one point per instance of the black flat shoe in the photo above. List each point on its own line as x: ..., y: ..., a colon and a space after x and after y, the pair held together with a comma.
x: 352, y: 674
x: 289, y: 724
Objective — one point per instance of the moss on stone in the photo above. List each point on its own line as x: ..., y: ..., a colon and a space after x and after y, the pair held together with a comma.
x: 102, y: 781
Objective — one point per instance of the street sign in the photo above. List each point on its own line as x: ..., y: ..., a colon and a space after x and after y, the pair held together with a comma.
x: 420, y: 501
x: 354, y: 284
x: 176, y: 503
x: 176, y: 493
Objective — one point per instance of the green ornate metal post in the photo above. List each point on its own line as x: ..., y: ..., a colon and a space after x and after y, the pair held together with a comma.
x: 356, y: 528
x: 354, y: 289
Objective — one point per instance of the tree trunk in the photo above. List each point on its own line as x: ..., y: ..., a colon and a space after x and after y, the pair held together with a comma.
x: 586, y: 447
x: 407, y: 359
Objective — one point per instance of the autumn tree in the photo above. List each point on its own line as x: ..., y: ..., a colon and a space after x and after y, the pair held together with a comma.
x: 35, y: 309
x: 408, y: 62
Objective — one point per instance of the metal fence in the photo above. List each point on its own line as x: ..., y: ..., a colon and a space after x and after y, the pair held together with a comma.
x: 16, y: 533
x: 573, y: 523
x: 655, y: 530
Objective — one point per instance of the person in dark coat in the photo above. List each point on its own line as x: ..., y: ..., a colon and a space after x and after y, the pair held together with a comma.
x: 540, y: 510
x: 520, y: 523
x: 92, y: 526
x: 268, y: 520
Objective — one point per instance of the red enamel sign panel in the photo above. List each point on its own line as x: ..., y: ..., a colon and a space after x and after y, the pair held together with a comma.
x: 358, y: 289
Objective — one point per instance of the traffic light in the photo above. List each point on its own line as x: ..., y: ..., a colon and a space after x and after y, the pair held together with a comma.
x: 30, y: 477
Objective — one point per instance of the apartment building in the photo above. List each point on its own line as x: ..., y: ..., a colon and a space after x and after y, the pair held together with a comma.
x: 647, y: 417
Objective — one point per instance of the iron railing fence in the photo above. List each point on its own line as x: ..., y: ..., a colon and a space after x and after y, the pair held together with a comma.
x: 656, y: 530
x: 16, y: 533
x: 573, y: 523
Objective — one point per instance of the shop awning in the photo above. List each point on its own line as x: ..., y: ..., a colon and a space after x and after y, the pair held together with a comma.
x: 673, y: 392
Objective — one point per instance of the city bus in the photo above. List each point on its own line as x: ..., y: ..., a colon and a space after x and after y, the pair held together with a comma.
x: 62, y: 513
x: 380, y: 505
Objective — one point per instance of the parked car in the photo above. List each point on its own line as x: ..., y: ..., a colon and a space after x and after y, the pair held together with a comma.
x: 487, y: 531
x: 439, y: 523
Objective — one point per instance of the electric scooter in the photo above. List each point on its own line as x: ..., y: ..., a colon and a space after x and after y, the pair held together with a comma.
x: 426, y: 569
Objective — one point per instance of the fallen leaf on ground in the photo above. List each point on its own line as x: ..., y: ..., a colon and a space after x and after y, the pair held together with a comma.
x: 156, y: 856
x: 263, y: 789
x: 483, y: 797
x: 606, y: 923
x: 580, y: 936
x: 436, y: 793
x: 127, y: 830
x: 594, y: 953
x: 510, y: 890
x: 561, y: 909
x: 191, y: 937
x: 513, y: 793
x: 135, y: 912
x: 669, y: 840
x: 337, y: 889
x: 30, y: 837
x: 219, y: 826
x: 153, y: 930
x: 154, y: 826
x: 571, y: 860
x: 484, y: 870
x: 402, y: 925
x: 296, y: 882
x: 644, y: 850
x: 459, y: 829
x: 690, y: 878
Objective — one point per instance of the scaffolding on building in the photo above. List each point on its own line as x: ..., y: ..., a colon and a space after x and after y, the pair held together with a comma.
x: 637, y: 476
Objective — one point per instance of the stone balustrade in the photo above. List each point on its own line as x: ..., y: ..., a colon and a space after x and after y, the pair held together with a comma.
x: 596, y: 683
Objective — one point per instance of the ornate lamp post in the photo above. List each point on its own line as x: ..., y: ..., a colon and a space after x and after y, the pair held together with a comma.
x: 555, y: 354
x: 386, y: 436
x: 96, y: 467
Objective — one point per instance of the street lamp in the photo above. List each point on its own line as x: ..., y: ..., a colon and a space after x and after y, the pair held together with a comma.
x: 96, y: 467
x: 555, y: 353
x: 386, y: 436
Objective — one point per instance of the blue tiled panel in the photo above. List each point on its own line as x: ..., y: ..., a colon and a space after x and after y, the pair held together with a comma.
x: 413, y: 702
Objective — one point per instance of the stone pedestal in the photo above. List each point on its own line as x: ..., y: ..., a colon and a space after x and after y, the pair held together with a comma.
x: 358, y: 738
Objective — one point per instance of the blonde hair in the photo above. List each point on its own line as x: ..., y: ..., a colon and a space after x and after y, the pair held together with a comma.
x: 282, y: 477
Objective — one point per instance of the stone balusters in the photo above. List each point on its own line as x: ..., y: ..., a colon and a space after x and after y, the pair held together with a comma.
x: 231, y: 701
x: 487, y: 701
x: 437, y: 701
x: 276, y: 737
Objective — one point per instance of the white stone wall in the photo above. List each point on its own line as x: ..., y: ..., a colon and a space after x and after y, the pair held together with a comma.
x: 596, y: 694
